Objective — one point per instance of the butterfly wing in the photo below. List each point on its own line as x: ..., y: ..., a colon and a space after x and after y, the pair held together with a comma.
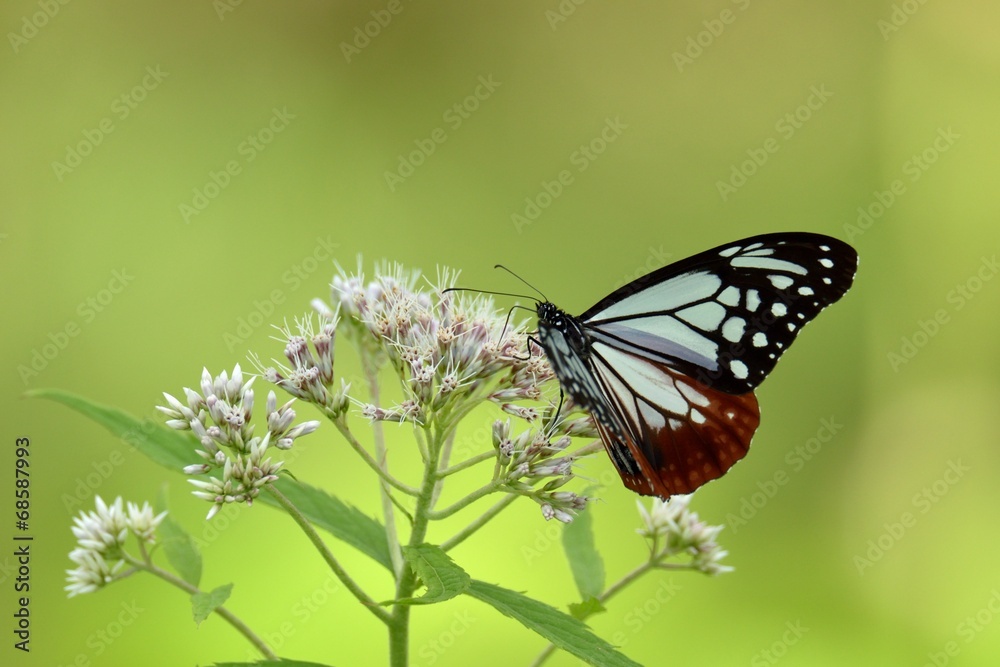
x: 670, y: 433
x: 725, y: 316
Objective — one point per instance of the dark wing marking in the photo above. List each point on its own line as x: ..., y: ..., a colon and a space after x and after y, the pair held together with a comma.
x: 726, y: 315
x: 680, y: 432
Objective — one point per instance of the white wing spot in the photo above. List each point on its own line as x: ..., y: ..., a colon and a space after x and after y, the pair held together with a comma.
x: 753, y: 300
x: 645, y: 379
x: 729, y: 252
x: 675, y: 425
x: 652, y: 416
x: 828, y: 263
x: 692, y: 396
x: 667, y: 295
x: 780, y: 282
x: 825, y: 248
x: 733, y: 329
x: 766, y: 263
x: 674, y: 331
x: 753, y: 246
x: 791, y: 326
x: 779, y: 309
x: 763, y: 252
x: 760, y: 339
x: 706, y: 316
x: 697, y: 417
x: 739, y: 369
x: 730, y: 296
x: 827, y: 281
x: 805, y: 290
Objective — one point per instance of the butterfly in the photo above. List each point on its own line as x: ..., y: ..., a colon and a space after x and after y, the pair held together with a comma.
x: 667, y: 365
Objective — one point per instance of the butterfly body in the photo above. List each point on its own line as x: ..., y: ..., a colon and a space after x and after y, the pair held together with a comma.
x: 667, y: 364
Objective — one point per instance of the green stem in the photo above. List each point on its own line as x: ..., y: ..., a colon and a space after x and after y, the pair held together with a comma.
x: 335, y: 566
x: 372, y: 463
x: 650, y: 565
x: 461, y: 535
x: 227, y: 615
x: 388, y: 510
x: 442, y: 463
x: 481, y: 492
x: 467, y: 463
x: 399, y: 622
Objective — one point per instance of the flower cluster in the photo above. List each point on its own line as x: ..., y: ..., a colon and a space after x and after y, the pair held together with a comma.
x: 101, y: 536
x: 220, y: 417
x: 310, y: 351
x: 533, y: 456
x: 447, y: 348
x: 682, y: 533
x: 451, y: 351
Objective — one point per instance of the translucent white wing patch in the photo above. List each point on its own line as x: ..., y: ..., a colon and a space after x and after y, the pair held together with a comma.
x: 681, y: 433
x: 725, y: 316
x: 667, y: 364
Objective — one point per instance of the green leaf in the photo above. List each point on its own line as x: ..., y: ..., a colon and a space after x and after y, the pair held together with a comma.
x: 584, y: 561
x: 270, y: 663
x: 437, y: 571
x: 203, y: 604
x: 178, y: 545
x: 586, y: 609
x: 170, y: 448
x: 561, y: 629
x: 343, y: 521
x: 175, y: 450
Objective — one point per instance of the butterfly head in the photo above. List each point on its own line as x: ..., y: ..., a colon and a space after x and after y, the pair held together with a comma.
x: 549, y: 314
x: 554, y: 323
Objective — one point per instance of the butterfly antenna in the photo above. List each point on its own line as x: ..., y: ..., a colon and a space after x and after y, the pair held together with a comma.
x: 501, y: 266
x: 483, y: 291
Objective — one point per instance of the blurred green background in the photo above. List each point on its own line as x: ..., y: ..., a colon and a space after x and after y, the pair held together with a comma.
x: 171, y: 171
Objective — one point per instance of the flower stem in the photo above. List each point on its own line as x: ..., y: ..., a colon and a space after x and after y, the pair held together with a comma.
x: 227, y: 615
x: 604, y: 597
x: 467, y: 463
x: 461, y: 535
x: 399, y: 622
x: 372, y: 463
x: 388, y: 510
x: 481, y: 492
x: 335, y: 566
x: 442, y: 463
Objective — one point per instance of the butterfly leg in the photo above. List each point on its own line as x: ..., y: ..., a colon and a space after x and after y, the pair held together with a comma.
x: 531, y: 339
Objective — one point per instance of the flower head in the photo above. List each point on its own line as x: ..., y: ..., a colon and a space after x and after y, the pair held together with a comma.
x: 447, y: 348
x: 100, y: 537
x: 221, y: 418
x: 452, y: 350
x: 682, y: 533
